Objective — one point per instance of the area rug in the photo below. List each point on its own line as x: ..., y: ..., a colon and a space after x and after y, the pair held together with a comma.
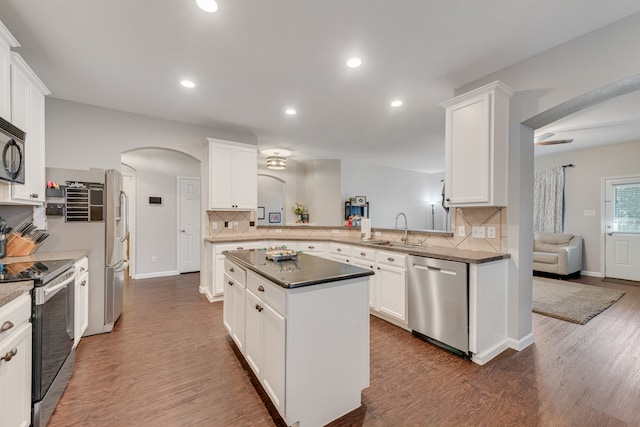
x: 570, y: 301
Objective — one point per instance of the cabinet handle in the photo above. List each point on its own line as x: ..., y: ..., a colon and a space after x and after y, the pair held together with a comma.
x: 363, y: 253
x: 6, y: 326
x: 84, y: 283
x: 34, y: 196
x: 260, y: 288
x: 391, y: 259
x: 371, y: 267
x: 7, y: 357
x: 311, y: 247
x: 230, y: 283
x: 259, y: 308
x: 239, y: 248
x: 448, y: 199
x: 232, y: 270
x: 339, y: 249
x: 82, y: 269
x: 378, y: 268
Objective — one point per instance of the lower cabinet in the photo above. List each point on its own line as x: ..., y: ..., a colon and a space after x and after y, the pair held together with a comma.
x: 15, y: 366
x: 391, y: 283
x: 81, y: 294
x: 233, y: 308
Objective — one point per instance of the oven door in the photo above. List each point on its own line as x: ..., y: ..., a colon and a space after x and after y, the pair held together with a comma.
x: 53, y: 318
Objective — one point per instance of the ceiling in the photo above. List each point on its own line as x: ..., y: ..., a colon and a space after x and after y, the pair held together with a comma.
x: 252, y: 59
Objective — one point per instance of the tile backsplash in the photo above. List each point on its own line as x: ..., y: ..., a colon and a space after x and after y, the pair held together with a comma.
x: 222, y: 225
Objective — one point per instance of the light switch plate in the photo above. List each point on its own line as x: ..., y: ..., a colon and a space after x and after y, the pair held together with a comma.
x: 477, y: 232
x: 590, y: 212
x: 214, y: 225
x: 462, y: 231
x: 491, y: 232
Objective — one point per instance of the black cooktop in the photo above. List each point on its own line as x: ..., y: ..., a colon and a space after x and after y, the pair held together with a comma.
x: 39, y: 271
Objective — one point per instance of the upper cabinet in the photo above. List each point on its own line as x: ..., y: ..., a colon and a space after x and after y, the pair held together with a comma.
x: 7, y: 41
x: 476, y: 147
x: 233, y: 175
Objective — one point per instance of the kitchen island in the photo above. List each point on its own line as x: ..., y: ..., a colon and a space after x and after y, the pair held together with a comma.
x: 302, y: 325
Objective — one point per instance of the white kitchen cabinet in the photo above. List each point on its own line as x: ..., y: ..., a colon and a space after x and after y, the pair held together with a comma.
x: 218, y: 285
x: 391, y: 285
x: 15, y: 366
x: 234, y: 303
x: 28, y: 113
x: 366, y: 258
x: 7, y: 41
x: 81, y: 313
x: 312, y: 248
x: 233, y: 176
x: 476, y: 147
x: 266, y: 336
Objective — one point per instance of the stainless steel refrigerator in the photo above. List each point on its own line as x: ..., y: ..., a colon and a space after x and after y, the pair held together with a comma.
x: 92, y: 214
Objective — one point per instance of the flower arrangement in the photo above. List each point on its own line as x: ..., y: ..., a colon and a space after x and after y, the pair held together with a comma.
x: 298, y: 209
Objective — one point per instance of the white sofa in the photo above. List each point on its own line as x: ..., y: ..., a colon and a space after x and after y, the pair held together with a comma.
x: 557, y: 253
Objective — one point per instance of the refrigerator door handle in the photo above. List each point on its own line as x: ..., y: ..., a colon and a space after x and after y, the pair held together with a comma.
x: 122, y: 266
x: 125, y: 199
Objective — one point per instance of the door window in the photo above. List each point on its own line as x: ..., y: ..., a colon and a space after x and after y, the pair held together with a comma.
x: 626, y: 208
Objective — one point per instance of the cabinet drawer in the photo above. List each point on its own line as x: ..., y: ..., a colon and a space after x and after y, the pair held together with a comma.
x: 82, y: 265
x: 230, y: 281
x: 391, y: 258
x: 311, y: 246
x: 15, y: 313
x: 362, y: 253
x: 271, y: 294
x: 237, y: 273
x: 340, y: 249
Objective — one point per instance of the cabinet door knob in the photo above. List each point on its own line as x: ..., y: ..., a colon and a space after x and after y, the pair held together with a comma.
x: 448, y: 199
x: 240, y: 248
x: 311, y: 247
x: 363, y: 253
x: 391, y: 259
x: 84, y: 283
x: 34, y: 195
x: 259, y: 308
x: 231, y: 270
x: 339, y: 249
x: 6, y: 326
x: 7, y: 357
x: 230, y: 283
x: 260, y: 288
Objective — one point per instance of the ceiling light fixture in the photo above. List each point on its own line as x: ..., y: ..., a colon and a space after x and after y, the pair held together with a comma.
x: 209, y: 6
x: 290, y: 111
x: 396, y: 103
x: 354, y: 62
x: 188, y: 83
x: 276, y: 163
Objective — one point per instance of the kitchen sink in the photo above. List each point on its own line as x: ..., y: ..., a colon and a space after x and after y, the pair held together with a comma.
x: 388, y: 244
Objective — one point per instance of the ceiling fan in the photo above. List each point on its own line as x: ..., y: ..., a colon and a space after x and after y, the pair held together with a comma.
x: 544, y: 140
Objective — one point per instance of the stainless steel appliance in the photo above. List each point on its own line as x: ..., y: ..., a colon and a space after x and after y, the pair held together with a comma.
x: 96, y: 220
x: 11, y: 152
x: 52, y: 316
x: 439, y: 302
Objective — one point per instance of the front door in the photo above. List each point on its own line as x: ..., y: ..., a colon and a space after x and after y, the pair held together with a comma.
x: 622, y: 227
x: 189, y: 223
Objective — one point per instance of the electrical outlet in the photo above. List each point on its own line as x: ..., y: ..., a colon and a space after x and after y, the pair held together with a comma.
x: 377, y: 233
x: 214, y: 225
x: 154, y: 259
x: 235, y: 224
x: 278, y: 230
x: 477, y: 232
x: 491, y: 232
x: 462, y: 231
x: 226, y: 224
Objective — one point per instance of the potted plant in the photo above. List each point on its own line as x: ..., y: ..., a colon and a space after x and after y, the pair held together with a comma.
x: 299, y: 209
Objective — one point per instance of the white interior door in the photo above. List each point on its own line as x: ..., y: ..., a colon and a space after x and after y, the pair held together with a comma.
x: 189, y: 224
x: 622, y: 222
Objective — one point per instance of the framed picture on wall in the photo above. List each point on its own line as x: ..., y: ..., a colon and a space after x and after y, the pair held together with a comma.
x: 360, y: 201
x: 274, y: 217
x: 260, y: 212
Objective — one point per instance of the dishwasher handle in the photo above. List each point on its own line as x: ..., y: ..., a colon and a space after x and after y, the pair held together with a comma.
x: 438, y: 269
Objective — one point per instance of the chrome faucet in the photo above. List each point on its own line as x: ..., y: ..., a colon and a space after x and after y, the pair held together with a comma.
x: 406, y: 227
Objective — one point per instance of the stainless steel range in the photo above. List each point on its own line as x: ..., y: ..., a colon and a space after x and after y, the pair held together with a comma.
x: 52, y: 316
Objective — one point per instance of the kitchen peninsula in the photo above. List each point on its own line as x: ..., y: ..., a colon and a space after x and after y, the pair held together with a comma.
x: 302, y: 325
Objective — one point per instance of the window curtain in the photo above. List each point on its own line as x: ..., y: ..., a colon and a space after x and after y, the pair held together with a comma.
x: 548, y: 200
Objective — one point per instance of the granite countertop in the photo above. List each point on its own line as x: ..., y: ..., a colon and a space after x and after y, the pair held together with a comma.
x: 439, y: 252
x: 45, y: 256
x: 307, y: 270
x: 12, y: 290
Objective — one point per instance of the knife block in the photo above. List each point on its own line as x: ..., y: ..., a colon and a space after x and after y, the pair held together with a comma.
x: 19, y: 246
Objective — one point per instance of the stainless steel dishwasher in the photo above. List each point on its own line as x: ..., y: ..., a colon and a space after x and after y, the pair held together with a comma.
x: 439, y: 302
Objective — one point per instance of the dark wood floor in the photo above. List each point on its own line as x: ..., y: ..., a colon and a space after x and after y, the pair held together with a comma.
x: 169, y: 363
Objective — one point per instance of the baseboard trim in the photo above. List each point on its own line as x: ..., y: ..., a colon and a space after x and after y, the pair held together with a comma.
x: 522, y: 343
x: 485, y: 356
x: 591, y: 273
x: 158, y: 274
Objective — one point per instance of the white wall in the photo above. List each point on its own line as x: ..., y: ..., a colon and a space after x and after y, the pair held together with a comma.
x: 156, y: 172
x: 294, y: 186
x: 390, y: 191
x: 583, y: 191
x: 322, y: 190
x: 270, y: 197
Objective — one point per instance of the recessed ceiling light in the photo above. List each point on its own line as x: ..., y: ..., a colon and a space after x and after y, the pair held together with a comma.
x: 188, y: 83
x: 354, y: 62
x: 396, y: 103
x: 291, y: 111
x: 207, y: 5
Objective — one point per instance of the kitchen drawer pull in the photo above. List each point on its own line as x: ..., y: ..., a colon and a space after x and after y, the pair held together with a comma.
x: 391, y: 259
x: 311, y: 247
x: 339, y: 249
x: 7, y: 357
x: 84, y: 283
x: 260, y: 288
x: 239, y: 248
x: 363, y: 253
x: 83, y: 269
x: 259, y: 308
x: 230, y: 283
x: 6, y: 326
x: 232, y: 270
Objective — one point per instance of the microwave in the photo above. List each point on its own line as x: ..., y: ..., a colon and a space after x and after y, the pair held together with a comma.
x: 11, y: 152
